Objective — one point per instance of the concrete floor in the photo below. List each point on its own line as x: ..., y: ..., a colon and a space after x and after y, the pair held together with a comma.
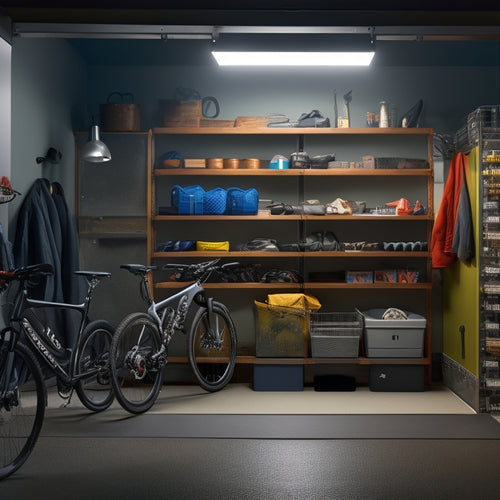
x: 152, y: 468
x: 400, y: 456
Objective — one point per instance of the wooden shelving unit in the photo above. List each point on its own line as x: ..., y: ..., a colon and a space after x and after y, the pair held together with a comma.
x: 199, y: 175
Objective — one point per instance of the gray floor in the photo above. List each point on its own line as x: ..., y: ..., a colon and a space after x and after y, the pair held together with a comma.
x: 77, y: 459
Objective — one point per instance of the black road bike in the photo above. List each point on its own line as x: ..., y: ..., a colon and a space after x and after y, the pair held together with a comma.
x: 29, y: 340
x: 139, y: 350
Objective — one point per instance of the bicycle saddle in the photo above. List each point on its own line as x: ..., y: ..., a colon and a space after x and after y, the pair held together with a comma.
x: 94, y: 274
x: 137, y: 268
x: 33, y: 270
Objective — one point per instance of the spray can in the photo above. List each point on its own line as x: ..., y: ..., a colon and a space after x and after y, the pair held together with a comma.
x: 384, y: 115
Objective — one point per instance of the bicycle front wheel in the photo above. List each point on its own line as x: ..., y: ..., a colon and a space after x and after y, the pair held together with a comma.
x: 136, y: 368
x: 22, y: 408
x: 212, y: 347
x: 94, y: 388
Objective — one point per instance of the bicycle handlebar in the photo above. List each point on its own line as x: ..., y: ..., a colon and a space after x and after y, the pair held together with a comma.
x: 28, y: 272
x: 201, y: 269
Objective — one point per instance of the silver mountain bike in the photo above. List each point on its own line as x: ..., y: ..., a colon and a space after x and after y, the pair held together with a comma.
x: 139, y: 350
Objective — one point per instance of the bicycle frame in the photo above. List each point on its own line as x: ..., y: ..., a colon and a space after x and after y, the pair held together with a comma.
x: 193, y: 292
x: 159, y: 310
x: 44, y: 346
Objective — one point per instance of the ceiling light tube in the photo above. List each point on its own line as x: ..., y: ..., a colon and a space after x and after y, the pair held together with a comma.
x: 267, y: 58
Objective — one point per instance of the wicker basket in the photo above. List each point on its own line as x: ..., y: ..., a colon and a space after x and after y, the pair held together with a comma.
x: 120, y: 117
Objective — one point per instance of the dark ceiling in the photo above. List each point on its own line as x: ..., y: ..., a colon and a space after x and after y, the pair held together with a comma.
x: 258, y: 12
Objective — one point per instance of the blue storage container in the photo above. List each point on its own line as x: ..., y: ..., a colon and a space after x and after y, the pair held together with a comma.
x: 214, y: 202
x: 188, y: 200
x: 242, y: 201
x: 278, y: 377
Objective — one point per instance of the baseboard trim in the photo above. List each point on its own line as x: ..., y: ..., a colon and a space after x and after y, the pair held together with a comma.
x: 461, y: 381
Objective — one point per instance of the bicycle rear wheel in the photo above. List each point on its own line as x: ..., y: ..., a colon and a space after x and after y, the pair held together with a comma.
x: 136, y: 373
x: 212, y: 359
x: 95, y: 392
x: 22, y: 408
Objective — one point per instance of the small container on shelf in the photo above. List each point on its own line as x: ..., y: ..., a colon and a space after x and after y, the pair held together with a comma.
x: 195, y: 163
x: 231, y: 163
x: 253, y: 163
x: 359, y: 276
x: 215, y: 163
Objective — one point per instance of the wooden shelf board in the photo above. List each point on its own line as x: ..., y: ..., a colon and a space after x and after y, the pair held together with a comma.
x: 263, y: 254
x: 253, y: 360
x: 259, y: 217
x: 232, y: 286
x: 307, y: 285
x: 263, y: 171
x: 290, y: 131
x: 268, y: 217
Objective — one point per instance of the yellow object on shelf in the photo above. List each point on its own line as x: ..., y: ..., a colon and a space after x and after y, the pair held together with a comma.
x: 211, y: 246
x: 300, y: 300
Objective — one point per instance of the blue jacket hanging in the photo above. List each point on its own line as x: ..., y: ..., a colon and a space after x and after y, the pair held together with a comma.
x: 46, y: 233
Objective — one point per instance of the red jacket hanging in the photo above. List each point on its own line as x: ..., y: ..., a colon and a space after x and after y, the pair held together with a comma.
x: 452, y: 235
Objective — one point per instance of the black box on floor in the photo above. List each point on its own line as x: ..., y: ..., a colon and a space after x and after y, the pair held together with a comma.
x: 324, y: 383
x: 278, y: 377
x: 397, y: 378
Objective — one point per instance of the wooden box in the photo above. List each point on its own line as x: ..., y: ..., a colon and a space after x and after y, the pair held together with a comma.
x: 180, y: 113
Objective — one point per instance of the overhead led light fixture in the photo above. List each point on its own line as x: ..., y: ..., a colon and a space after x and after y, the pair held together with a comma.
x: 255, y: 58
x: 298, y: 50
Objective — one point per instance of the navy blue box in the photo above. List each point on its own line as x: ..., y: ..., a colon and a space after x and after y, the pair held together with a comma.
x: 397, y: 378
x: 278, y: 377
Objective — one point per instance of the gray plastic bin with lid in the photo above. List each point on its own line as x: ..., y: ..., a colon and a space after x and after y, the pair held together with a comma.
x: 393, y: 338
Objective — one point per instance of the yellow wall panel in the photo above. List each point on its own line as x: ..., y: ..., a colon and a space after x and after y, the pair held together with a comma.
x: 461, y: 290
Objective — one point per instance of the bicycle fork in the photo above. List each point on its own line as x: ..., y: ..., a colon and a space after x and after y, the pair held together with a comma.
x: 9, y: 395
x: 212, y: 339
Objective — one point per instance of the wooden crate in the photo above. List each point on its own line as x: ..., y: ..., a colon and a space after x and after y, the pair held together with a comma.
x: 180, y: 113
x: 251, y: 121
x: 210, y: 122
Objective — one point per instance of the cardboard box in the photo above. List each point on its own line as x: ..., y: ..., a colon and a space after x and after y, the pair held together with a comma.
x: 359, y: 276
x: 388, y: 276
x: 194, y: 163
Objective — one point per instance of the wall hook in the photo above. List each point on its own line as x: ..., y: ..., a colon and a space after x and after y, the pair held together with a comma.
x: 52, y: 156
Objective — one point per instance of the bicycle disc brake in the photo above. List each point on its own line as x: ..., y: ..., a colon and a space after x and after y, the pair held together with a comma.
x: 11, y: 399
x: 136, y: 363
x: 210, y: 340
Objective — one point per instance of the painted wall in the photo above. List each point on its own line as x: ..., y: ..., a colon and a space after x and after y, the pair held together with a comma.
x: 49, y: 102
x: 5, y: 130
x: 56, y: 89
x: 449, y: 93
x: 461, y: 289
